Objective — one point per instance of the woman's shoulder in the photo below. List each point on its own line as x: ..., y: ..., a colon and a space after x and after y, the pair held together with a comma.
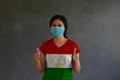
x: 74, y: 44
x: 47, y: 41
x: 72, y: 41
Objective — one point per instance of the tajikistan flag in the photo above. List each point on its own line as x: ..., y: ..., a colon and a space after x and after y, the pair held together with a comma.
x: 58, y: 67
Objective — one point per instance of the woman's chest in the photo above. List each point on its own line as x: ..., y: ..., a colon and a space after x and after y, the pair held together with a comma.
x: 58, y: 60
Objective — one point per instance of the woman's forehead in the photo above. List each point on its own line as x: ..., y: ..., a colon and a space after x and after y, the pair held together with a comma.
x: 57, y: 21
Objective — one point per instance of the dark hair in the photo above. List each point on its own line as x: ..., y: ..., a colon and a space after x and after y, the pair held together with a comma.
x: 63, y: 19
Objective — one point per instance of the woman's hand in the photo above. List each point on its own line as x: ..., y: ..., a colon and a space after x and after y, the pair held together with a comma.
x: 39, y: 60
x: 37, y: 54
x: 75, y: 55
x: 75, y: 61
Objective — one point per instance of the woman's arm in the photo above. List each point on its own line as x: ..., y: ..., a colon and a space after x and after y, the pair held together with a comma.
x: 76, y: 66
x: 39, y: 61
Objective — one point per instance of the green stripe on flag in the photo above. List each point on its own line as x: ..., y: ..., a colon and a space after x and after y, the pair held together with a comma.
x: 58, y: 74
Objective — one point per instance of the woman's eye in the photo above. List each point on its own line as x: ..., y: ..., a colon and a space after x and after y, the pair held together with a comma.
x: 54, y: 25
x: 59, y: 25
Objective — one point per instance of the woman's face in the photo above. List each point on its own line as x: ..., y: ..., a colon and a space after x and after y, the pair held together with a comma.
x: 57, y: 23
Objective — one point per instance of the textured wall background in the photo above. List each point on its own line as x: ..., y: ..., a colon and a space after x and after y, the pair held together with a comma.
x: 93, y: 24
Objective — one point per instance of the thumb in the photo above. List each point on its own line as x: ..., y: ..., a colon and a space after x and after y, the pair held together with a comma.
x: 38, y: 51
x: 74, y: 52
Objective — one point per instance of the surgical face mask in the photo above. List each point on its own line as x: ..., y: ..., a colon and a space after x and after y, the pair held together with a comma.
x: 57, y: 31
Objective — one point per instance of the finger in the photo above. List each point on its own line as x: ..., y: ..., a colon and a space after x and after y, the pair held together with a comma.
x: 74, y: 51
x: 38, y: 51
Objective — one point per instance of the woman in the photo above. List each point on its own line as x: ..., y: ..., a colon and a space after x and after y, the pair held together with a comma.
x: 57, y: 57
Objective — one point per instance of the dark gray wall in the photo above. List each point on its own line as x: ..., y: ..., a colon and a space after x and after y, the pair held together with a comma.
x: 93, y: 24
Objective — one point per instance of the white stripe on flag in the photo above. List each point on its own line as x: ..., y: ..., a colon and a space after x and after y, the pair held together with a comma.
x: 58, y: 60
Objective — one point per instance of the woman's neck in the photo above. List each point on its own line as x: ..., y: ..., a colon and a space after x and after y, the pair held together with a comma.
x: 61, y: 38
